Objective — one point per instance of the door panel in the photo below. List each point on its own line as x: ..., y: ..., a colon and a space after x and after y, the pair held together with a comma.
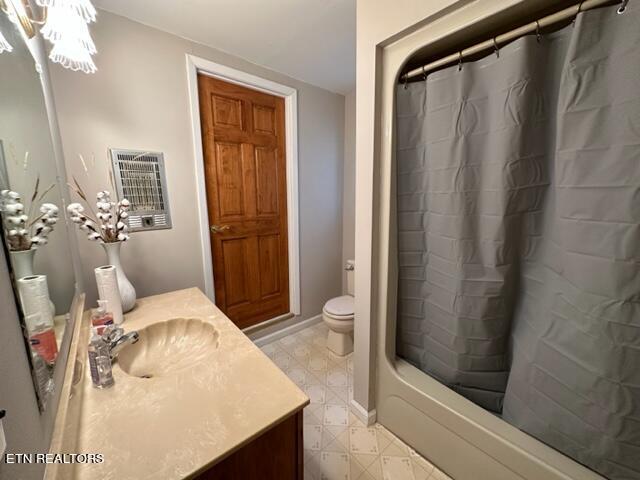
x: 264, y: 119
x: 269, y: 254
x: 227, y: 112
x: 267, y: 181
x: 236, y: 271
x: 245, y: 174
x: 230, y: 179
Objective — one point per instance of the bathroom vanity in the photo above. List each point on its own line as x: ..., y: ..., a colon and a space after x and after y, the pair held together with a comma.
x: 194, y: 398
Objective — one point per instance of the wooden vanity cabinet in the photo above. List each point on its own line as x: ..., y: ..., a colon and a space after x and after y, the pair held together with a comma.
x: 274, y: 455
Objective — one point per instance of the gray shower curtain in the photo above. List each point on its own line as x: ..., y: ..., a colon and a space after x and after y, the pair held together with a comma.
x: 518, y: 212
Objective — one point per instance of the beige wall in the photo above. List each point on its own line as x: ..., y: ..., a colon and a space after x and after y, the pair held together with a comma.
x: 349, y: 183
x: 138, y: 99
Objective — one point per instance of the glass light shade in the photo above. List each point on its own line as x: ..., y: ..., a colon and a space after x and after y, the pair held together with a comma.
x: 83, y: 8
x: 69, y: 53
x: 4, y: 45
x: 64, y: 24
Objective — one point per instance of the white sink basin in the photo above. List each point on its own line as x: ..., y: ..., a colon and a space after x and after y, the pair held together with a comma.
x: 167, y: 348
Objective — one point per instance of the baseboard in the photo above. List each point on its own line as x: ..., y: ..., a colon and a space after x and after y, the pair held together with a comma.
x: 264, y: 326
x: 289, y: 330
x: 365, y: 416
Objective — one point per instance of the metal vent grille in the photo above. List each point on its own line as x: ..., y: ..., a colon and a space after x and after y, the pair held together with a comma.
x: 140, y: 178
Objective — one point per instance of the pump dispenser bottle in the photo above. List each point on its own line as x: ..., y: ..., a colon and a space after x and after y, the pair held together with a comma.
x: 100, y: 361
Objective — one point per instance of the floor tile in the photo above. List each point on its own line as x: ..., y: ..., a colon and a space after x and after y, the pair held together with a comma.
x: 333, y: 398
x: 312, y: 437
x: 282, y: 359
x: 363, y: 440
x: 342, y: 393
x: 288, y: 342
x: 420, y: 473
x: 355, y: 421
x: 313, y: 414
x: 316, y: 363
x: 336, y: 415
x: 301, y: 352
x: 385, y: 437
x: 306, y: 333
x: 365, y: 459
x: 298, y: 375
x: 396, y: 449
x: 337, y: 377
x: 319, y: 341
x: 312, y: 464
x: 341, y: 436
x: 365, y: 476
x: 397, y: 468
x: 334, y: 466
x: 316, y: 393
x: 269, y: 350
x: 355, y: 469
x: 337, y: 445
x: 374, y: 468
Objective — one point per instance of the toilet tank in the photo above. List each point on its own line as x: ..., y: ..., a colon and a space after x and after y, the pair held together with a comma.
x: 350, y: 268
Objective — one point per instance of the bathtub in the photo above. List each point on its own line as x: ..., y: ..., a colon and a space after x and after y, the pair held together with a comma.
x: 461, y: 438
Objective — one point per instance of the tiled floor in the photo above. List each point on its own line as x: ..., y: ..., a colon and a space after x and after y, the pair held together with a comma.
x: 337, y: 446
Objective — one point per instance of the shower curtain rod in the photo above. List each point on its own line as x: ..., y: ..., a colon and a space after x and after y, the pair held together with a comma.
x: 495, y: 42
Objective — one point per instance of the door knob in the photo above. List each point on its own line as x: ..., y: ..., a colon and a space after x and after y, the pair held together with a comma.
x: 219, y: 228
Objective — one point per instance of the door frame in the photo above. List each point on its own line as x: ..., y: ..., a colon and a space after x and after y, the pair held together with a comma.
x: 196, y: 65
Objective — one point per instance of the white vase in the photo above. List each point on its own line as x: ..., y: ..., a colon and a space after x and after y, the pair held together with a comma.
x: 127, y: 292
x: 22, y: 264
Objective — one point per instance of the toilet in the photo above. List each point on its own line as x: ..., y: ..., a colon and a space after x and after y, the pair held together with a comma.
x: 338, y: 316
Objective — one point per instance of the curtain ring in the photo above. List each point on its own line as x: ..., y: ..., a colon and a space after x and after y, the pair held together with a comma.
x: 406, y: 79
x: 538, y: 36
x: 623, y: 7
x: 460, y: 61
x: 495, y: 47
x: 424, y: 74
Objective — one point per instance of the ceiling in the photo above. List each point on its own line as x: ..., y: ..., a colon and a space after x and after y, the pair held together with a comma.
x: 310, y: 40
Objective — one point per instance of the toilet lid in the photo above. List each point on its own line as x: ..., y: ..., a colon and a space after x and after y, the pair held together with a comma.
x: 341, y: 306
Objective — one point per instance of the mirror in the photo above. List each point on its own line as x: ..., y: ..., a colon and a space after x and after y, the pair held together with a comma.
x: 34, y: 234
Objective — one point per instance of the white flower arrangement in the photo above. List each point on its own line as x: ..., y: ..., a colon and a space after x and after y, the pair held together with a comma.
x: 22, y: 234
x: 108, y: 224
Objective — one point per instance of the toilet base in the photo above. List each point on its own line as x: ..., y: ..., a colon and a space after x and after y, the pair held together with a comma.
x: 340, y: 343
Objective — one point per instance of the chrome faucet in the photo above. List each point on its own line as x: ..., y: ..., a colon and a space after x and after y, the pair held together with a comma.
x: 116, y: 339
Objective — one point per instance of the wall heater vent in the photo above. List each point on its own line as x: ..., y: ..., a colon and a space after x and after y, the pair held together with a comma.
x: 140, y: 177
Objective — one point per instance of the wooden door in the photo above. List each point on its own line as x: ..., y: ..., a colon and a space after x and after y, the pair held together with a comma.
x: 243, y: 136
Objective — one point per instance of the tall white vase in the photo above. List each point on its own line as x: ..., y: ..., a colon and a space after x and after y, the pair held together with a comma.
x: 127, y: 292
x: 22, y: 264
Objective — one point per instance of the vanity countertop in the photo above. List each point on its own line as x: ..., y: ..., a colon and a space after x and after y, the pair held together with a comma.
x: 174, y: 426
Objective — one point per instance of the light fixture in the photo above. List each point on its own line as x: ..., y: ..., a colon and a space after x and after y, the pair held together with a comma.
x: 64, y: 23
x: 17, y: 13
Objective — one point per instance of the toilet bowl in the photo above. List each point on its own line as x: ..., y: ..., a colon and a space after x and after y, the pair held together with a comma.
x: 338, y: 316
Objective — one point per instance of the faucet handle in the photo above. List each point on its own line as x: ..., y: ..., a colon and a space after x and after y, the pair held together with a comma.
x: 112, y: 333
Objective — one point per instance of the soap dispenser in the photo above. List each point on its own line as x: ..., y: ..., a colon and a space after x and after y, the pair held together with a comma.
x: 101, y: 318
